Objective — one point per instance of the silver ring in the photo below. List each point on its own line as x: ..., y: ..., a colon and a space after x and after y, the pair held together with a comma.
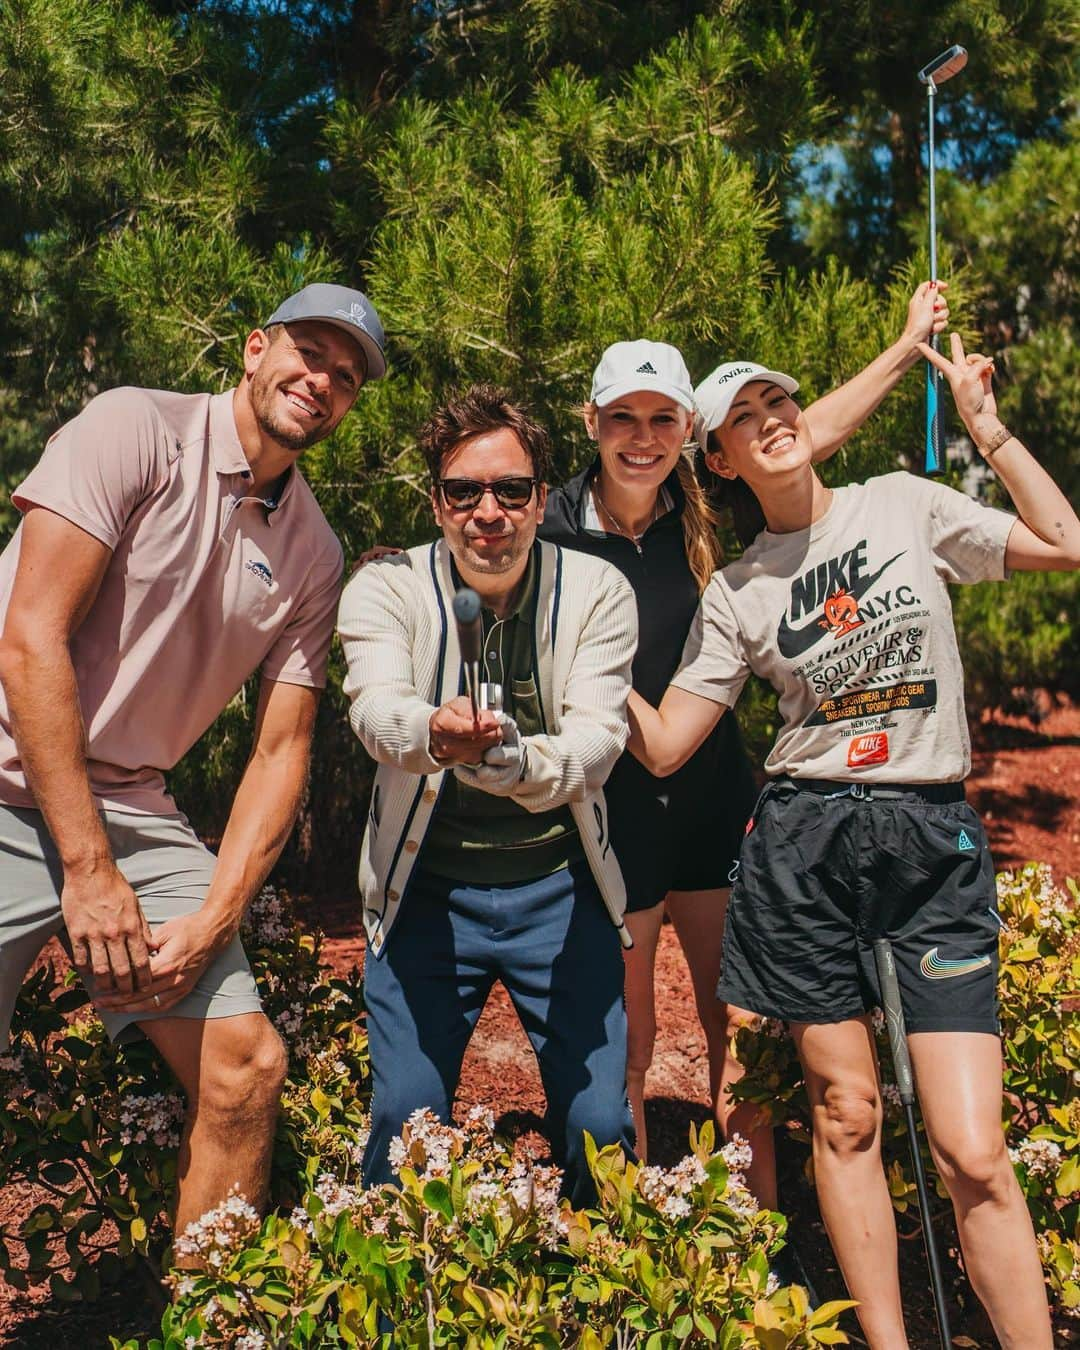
x: 157, y: 1001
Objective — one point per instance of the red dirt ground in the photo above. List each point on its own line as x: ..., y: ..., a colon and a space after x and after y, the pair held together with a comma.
x: 1025, y: 781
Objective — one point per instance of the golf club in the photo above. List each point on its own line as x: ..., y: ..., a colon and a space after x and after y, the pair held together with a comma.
x: 894, y: 1020
x: 470, y: 635
x: 940, y: 69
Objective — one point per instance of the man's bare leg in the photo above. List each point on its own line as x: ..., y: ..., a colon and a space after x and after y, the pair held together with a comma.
x: 232, y: 1070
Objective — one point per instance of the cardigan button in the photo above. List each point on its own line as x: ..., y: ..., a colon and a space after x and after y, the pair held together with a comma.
x: 393, y: 896
x: 411, y: 845
x: 429, y: 795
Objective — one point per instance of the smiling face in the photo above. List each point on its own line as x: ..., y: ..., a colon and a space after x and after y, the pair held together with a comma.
x: 763, y: 438
x: 639, y: 437
x: 489, y: 539
x: 302, y: 380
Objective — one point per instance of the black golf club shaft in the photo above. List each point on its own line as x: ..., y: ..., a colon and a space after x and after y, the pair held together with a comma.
x: 935, y: 416
x: 470, y: 635
x: 943, y: 67
x: 905, y: 1081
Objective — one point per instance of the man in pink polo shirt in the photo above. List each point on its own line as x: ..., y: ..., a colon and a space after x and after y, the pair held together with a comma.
x: 168, y: 549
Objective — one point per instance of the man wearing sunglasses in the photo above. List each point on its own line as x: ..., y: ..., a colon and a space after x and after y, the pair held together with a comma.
x: 486, y: 855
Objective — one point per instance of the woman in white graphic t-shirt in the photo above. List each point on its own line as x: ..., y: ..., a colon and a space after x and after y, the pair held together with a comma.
x: 841, y: 602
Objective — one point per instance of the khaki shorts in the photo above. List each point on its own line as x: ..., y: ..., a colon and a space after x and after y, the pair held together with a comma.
x: 167, y: 868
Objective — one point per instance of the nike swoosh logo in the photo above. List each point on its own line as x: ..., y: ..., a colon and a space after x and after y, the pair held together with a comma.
x: 934, y: 967
x: 857, y: 757
x: 794, y: 641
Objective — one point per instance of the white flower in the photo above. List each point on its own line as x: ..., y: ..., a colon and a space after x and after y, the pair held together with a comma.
x: 266, y: 920
x: 738, y: 1155
x: 156, y: 1118
x: 335, y: 1196
x: 667, y: 1189
x: 1040, y: 1157
x: 741, y: 1202
x: 219, y: 1233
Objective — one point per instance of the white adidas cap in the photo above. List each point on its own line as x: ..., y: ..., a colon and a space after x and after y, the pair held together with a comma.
x: 633, y: 367
x: 716, y: 393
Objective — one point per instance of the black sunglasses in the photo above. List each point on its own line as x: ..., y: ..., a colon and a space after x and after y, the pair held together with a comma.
x: 463, y: 494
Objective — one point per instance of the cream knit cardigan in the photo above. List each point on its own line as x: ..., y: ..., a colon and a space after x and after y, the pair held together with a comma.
x: 404, y: 662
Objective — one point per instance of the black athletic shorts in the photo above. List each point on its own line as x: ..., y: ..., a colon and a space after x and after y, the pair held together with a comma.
x: 823, y: 872
x: 681, y: 833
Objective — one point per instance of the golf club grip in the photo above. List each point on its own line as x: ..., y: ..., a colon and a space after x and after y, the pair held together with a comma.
x: 935, y: 424
x: 894, y: 1019
x: 470, y: 631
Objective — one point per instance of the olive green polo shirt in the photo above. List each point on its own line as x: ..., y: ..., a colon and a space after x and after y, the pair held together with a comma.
x: 475, y: 836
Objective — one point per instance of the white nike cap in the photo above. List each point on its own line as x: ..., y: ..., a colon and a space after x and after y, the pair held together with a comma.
x: 716, y: 393
x: 642, y: 366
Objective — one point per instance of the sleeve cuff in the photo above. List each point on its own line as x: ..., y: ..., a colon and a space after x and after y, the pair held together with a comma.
x: 419, y: 733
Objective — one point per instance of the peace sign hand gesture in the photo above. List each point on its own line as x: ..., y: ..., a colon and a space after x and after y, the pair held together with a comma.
x: 970, y: 376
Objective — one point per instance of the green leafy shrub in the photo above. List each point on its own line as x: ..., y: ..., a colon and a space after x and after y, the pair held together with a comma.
x: 95, y: 1127
x: 476, y: 1250
x: 1038, y: 992
x: 1022, y: 634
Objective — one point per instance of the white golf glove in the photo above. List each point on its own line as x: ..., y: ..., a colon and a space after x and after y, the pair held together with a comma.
x: 504, y: 765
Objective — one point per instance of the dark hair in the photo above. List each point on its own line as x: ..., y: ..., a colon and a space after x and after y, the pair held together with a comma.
x: 731, y: 494
x: 482, y: 408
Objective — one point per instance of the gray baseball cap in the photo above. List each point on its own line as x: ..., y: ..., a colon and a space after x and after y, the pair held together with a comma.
x: 349, y: 310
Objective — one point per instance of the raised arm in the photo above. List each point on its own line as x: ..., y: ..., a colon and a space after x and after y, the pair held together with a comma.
x: 1046, y: 538
x: 836, y: 416
x: 60, y: 570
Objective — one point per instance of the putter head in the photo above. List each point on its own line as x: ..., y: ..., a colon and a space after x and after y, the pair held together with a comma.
x: 951, y: 62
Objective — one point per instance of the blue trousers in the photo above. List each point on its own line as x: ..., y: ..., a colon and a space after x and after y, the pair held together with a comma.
x: 555, y: 950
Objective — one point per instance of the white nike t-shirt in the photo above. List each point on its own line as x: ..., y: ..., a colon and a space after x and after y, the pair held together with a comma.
x: 850, y: 622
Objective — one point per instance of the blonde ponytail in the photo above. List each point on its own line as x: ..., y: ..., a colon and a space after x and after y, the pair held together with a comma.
x: 699, y: 522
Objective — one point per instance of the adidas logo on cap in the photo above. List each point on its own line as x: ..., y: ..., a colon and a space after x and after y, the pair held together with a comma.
x: 655, y: 367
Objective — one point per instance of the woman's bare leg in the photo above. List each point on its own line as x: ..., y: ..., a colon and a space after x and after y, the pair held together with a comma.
x: 640, y: 963
x: 840, y: 1066
x: 959, y: 1082
x: 698, y: 919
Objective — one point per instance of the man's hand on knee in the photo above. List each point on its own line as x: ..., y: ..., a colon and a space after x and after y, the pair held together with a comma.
x: 110, y: 938
x: 184, y: 947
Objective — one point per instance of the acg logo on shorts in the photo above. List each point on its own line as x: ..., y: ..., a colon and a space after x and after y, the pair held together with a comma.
x: 869, y: 749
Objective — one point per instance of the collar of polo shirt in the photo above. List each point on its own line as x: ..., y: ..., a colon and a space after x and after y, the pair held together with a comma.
x: 228, y: 455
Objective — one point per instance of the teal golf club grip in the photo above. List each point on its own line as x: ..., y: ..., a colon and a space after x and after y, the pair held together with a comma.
x: 934, y: 419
